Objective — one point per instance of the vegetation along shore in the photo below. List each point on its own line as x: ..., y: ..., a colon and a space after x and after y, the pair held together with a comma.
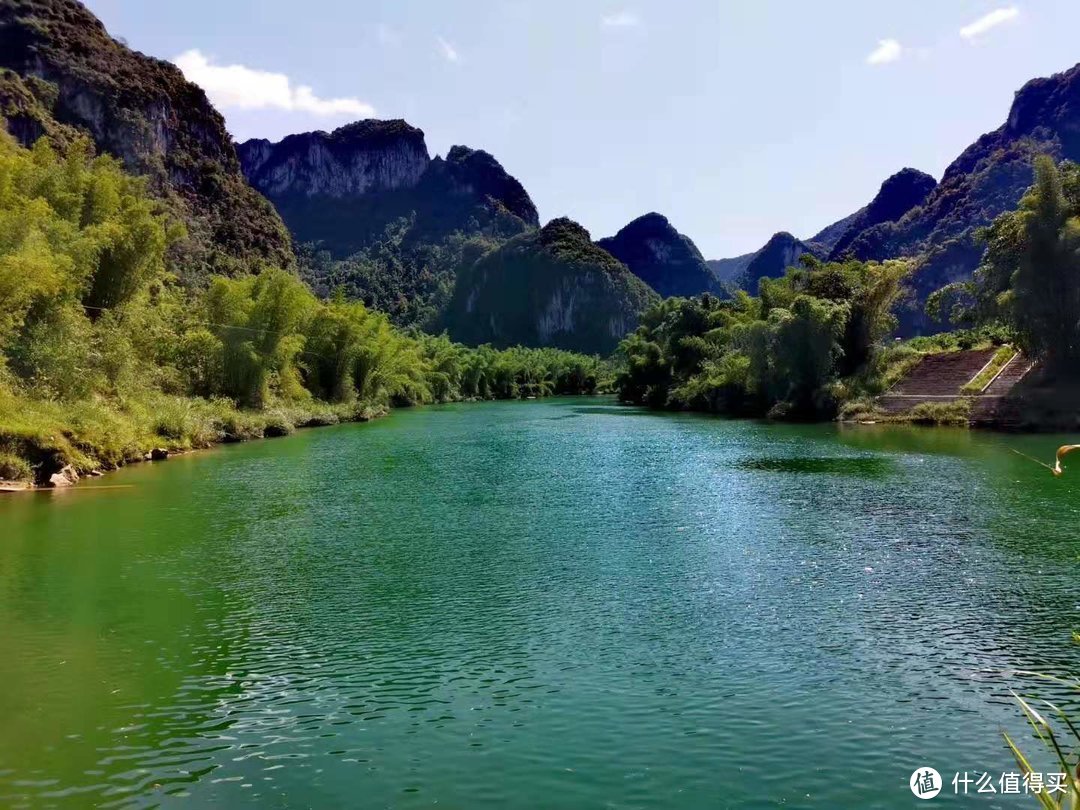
x: 106, y: 355
x: 169, y: 293
x: 813, y: 343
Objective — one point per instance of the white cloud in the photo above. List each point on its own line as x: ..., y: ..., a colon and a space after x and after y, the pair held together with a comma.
x: 387, y: 35
x: 243, y: 88
x: 448, y: 51
x: 621, y: 19
x: 888, y: 50
x: 995, y: 18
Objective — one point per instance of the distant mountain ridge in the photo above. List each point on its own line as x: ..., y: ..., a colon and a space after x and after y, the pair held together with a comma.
x: 936, y: 223
x: 987, y: 179
x: 394, y: 226
x: 445, y: 243
x: 663, y: 258
x: 726, y: 271
x: 898, y: 195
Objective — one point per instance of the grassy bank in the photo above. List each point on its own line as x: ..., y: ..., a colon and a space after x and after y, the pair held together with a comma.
x: 954, y: 413
x: 39, y: 438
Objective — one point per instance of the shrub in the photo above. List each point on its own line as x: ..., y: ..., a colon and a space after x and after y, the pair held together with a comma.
x: 957, y: 413
x: 13, y: 468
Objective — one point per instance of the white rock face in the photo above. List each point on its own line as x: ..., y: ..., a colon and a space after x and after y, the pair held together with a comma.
x: 558, y: 315
x: 660, y: 250
x: 350, y: 162
x: 320, y: 172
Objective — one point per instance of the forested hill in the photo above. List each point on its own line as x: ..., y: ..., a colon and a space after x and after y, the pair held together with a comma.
x: 659, y: 255
x: 454, y: 242
x: 551, y: 287
x: 378, y: 217
x: 62, y: 74
x: 986, y: 180
x: 938, y: 223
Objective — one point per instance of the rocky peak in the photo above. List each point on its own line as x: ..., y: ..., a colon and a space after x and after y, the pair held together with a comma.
x: 353, y: 160
x: 345, y: 188
x: 779, y: 253
x: 551, y: 287
x: 562, y: 230
x: 659, y: 255
x: 899, y: 194
x: 652, y: 237
x: 1045, y: 110
x: 1052, y: 102
x: 477, y: 173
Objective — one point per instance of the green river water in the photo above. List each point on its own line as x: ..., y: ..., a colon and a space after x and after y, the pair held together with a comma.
x: 559, y: 604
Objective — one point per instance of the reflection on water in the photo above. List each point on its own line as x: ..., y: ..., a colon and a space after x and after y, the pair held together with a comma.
x: 915, y: 439
x: 479, y: 605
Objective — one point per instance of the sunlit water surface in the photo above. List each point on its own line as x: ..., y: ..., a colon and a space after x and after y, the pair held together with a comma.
x: 561, y: 604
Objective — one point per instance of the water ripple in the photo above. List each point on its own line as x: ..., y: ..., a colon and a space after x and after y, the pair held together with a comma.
x: 482, y: 605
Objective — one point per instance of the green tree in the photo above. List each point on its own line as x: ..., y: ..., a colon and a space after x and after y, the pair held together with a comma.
x: 259, y: 321
x: 1029, y: 278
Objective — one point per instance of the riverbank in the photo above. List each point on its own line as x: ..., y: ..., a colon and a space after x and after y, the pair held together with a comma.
x: 44, y: 444
x: 1035, y: 403
x: 48, y: 444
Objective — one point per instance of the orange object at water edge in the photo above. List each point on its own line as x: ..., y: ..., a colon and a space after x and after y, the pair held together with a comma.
x: 1063, y: 451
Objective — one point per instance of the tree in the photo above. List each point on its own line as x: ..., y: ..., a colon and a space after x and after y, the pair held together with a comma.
x: 805, y: 347
x: 780, y: 352
x: 259, y: 321
x: 1029, y: 278
x: 1046, y: 279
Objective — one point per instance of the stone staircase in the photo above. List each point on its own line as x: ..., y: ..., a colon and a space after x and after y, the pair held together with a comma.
x: 937, y: 378
x: 994, y: 407
x: 941, y: 378
x: 1014, y: 371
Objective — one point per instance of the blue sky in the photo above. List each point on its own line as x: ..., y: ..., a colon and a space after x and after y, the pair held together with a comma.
x: 735, y: 119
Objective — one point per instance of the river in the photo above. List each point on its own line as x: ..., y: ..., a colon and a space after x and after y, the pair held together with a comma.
x: 561, y: 604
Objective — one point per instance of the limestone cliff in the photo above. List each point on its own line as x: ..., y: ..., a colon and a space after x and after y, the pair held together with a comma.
x: 551, y: 287
x: 366, y: 157
x: 343, y: 189
x: 377, y: 217
x: 64, y: 75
